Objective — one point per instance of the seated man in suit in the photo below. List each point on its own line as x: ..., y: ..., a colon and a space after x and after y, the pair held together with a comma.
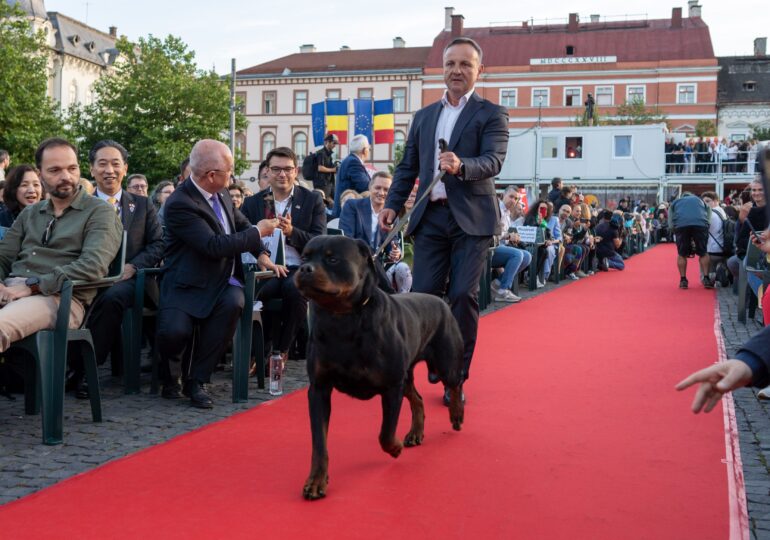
x: 302, y: 216
x: 144, y: 249
x: 202, y: 283
x: 69, y: 236
x: 352, y: 173
x: 360, y: 220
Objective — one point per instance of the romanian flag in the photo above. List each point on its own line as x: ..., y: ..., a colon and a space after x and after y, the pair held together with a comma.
x: 384, y: 121
x: 337, y: 119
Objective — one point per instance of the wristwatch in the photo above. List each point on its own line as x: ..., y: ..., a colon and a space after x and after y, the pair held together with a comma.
x: 34, y: 284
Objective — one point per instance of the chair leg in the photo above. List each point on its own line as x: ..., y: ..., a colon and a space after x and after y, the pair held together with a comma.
x: 154, y: 380
x: 132, y: 336
x: 92, y: 377
x: 742, y: 286
x: 241, y: 349
x: 258, y: 351
x: 51, y: 377
x: 31, y: 387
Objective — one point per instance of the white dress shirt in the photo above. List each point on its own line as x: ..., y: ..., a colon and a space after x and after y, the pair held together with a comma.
x: 444, y: 127
x: 291, y: 255
x: 117, y: 197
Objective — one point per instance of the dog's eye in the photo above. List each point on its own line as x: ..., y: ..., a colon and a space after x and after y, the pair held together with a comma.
x: 332, y: 260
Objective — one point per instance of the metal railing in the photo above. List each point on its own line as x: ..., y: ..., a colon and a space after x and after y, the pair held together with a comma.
x: 707, y: 163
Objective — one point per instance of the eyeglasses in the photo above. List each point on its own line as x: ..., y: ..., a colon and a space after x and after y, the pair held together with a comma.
x: 278, y: 170
x: 48, y: 232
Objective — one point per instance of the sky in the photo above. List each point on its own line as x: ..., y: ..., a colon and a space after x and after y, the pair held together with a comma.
x: 257, y: 31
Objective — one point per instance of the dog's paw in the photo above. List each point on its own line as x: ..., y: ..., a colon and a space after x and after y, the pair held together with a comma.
x: 393, y: 448
x: 413, y: 439
x: 315, y: 487
x: 456, y: 415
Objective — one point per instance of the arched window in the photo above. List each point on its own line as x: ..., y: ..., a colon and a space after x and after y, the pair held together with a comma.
x: 399, y: 141
x: 268, y: 143
x: 73, y: 93
x: 89, y: 96
x: 300, y: 145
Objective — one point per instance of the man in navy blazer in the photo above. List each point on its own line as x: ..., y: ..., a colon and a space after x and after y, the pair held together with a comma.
x: 352, y: 173
x: 453, y: 227
x: 202, y: 283
x: 302, y: 216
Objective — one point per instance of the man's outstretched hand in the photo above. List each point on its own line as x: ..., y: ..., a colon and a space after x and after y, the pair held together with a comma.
x: 715, y: 381
x: 387, y: 217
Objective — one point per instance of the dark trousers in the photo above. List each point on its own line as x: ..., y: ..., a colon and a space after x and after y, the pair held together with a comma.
x: 215, y: 332
x: 442, y: 249
x: 293, y: 309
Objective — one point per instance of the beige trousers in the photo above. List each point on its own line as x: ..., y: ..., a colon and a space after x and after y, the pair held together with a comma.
x: 25, y: 316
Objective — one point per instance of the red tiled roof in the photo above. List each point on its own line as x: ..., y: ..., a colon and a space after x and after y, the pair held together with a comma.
x: 631, y: 41
x: 348, y: 60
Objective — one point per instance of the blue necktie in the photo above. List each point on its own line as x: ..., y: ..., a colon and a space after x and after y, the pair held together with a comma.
x: 221, y: 218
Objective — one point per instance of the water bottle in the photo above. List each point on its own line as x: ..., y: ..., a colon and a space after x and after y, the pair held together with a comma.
x: 276, y: 374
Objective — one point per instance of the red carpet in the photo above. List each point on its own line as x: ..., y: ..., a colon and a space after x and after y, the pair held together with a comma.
x: 573, y: 430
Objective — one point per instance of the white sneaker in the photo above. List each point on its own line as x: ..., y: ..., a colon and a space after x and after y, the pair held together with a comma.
x: 504, y: 295
x: 764, y: 393
x: 573, y: 277
x: 540, y: 284
x: 495, y: 285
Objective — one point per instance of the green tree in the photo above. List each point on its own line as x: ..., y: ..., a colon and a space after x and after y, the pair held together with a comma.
x: 705, y: 128
x: 398, y: 155
x: 760, y: 133
x: 635, y: 112
x: 581, y: 120
x: 27, y: 115
x: 157, y: 103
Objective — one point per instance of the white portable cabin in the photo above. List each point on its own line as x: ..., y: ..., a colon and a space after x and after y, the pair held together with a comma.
x: 615, y: 160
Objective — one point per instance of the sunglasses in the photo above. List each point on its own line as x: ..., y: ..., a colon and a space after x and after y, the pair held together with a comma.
x: 48, y: 232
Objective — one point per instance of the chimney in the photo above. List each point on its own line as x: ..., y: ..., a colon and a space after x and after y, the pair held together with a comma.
x: 676, y: 17
x: 113, y: 31
x: 307, y: 48
x: 693, y: 8
x: 595, y: 18
x: 760, y: 46
x: 572, y: 26
x: 457, y: 25
x: 398, y: 42
x: 448, y: 12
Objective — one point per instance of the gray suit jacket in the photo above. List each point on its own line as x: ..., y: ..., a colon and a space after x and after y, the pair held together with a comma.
x: 480, y: 140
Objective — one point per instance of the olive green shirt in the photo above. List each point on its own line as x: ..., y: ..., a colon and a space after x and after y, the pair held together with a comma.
x: 80, y: 245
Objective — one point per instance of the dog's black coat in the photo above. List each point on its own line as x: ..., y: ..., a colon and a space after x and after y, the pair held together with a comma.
x: 365, y: 342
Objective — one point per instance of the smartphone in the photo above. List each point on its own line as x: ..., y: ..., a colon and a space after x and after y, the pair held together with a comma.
x: 543, y: 212
x: 745, y: 196
x: 753, y: 231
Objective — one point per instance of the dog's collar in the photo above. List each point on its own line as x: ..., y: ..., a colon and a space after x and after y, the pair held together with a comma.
x: 365, y: 301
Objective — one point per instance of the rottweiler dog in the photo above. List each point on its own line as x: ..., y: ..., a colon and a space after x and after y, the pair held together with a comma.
x: 364, y: 342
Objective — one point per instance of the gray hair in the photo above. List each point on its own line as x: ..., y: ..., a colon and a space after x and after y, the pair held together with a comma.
x: 466, y: 41
x: 207, y: 155
x: 358, y: 143
x: 511, y: 189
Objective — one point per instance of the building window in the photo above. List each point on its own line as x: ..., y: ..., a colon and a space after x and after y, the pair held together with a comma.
x: 621, y: 147
x: 573, y: 147
x: 300, y: 102
x: 334, y: 94
x: 570, y: 50
x: 240, y: 102
x: 89, y: 96
x: 685, y: 93
x: 240, y: 144
x: 604, y: 95
x: 73, y: 93
x: 269, y: 102
x: 635, y: 93
x: 749, y: 86
x: 365, y: 93
x: 300, y: 145
x: 508, y: 97
x: 572, y: 97
x: 268, y: 143
x: 399, y: 141
x: 550, y: 148
x: 540, y: 97
x: 399, y: 99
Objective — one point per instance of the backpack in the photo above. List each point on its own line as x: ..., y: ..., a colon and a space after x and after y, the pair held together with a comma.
x: 310, y: 166
x: 728, y: 235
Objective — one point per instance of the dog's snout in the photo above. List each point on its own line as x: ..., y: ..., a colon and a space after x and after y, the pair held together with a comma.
x: 307, y: 268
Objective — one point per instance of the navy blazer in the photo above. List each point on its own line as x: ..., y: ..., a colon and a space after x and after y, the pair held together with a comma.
x: 308, y: 214
x: 352, y: 175
x: 480, y: 140
x: 356, y: 222
x: 199, y: 257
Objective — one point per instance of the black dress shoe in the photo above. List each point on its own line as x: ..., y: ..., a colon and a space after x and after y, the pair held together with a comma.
x: 446, y: 397
x: 171, y: 391
x: 82, y: 390
x: 198, y: 396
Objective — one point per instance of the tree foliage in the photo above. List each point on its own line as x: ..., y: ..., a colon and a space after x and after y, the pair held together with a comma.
x: 27, y: 115
x: 705, y: 128
x: 635, y: 112
x: 398, y: 155
x: 760, y: 133
x: 157, y: 103
x: 581, y: 120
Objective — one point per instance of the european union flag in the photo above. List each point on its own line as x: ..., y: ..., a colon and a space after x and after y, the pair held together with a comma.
x: 362, y: 110
x: 319, y: 129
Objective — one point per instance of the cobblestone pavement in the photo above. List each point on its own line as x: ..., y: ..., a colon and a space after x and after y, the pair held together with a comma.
x: 135, y: 422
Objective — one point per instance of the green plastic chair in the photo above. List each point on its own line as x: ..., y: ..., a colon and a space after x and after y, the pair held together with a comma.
x: 49, y: 350
x: 132, y: 326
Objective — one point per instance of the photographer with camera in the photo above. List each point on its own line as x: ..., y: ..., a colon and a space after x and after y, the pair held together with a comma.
x: 608, y: 240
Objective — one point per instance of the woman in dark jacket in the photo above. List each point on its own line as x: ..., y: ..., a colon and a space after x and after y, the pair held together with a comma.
x: 22, y: 188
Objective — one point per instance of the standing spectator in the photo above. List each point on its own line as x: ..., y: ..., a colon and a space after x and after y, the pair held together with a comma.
x: 202, y: 284
x: 732, y: 157
x: 555, y: 192
x: 716, y: 243
x: 70, y: 236
x: 5, y: 160
x: 453, y: 227
x: 324, y: 178
x: 22, y: 188
x: 236, y: 194
x: 352, y: 173
x: 689, y: 217
x: 137, y: 184
x: 162, y: 191
x: 565, y: 197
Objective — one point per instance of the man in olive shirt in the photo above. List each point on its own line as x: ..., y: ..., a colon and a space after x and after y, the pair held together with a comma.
x: 70, y: 236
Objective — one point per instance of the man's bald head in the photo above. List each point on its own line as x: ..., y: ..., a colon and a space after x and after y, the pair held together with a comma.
x: 212, y: 164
